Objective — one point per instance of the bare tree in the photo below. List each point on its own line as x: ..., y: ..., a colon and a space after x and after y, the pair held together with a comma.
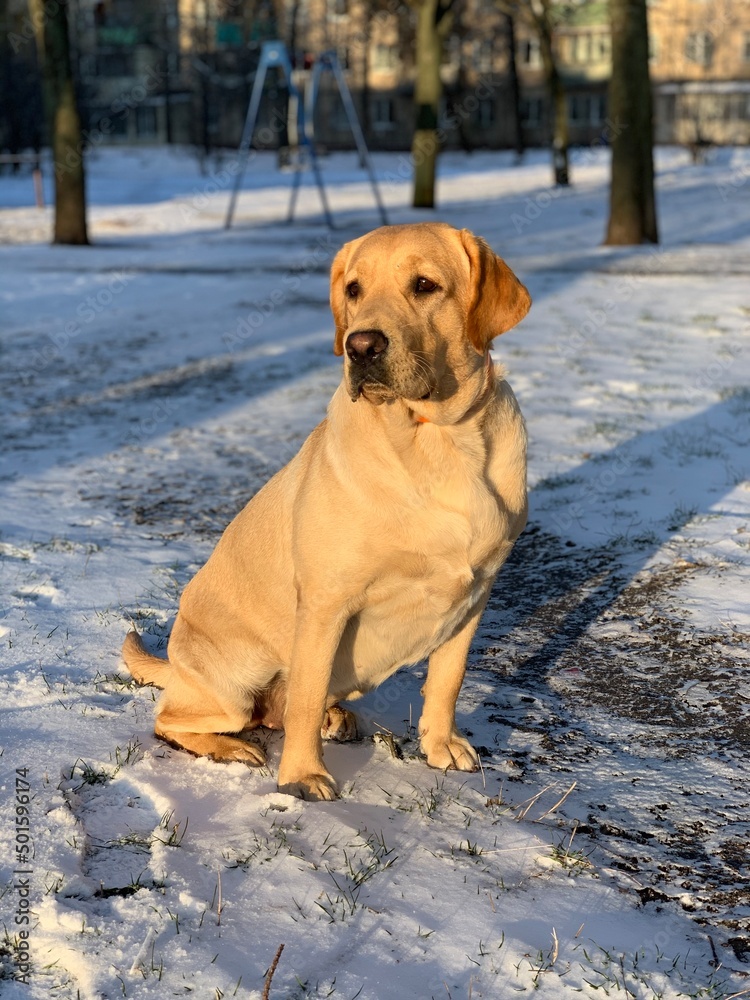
x: 515, y: 89
x: 545, y: 15
x: 63, y: 122
x: 632, y: 204
x: 434, y: 19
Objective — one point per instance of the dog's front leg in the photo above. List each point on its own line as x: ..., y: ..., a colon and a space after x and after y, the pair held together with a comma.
x: 443, y: 745
x: 316, y: 638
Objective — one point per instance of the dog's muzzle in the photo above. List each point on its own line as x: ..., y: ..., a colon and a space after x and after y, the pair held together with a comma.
x: 366, y: 350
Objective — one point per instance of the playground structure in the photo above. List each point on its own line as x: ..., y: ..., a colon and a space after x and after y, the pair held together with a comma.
x: 274, y: 55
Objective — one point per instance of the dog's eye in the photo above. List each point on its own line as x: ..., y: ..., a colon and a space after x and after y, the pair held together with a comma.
x: 352, y: 290
x: 424, y: 285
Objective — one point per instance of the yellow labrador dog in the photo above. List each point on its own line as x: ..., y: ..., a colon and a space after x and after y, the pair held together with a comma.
x: 377, y: 545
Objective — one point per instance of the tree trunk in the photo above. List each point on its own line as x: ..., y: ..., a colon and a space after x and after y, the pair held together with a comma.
x: 284, y: 153
x: 53, y: 45
x: 432, y: 22
x: 632, y: 204
x: 167, y: 89
x: 557, y: 98
x: 515, y: 89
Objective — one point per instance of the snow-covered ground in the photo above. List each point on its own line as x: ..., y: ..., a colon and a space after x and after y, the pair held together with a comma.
x: 151, y: 383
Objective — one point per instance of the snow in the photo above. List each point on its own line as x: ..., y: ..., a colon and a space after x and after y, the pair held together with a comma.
x: 153, y: 382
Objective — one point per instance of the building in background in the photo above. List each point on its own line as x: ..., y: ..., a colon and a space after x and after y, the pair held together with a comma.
x: 21, y: 113
x: 700, y: 67
x: 154, y: 71
x: 583, y: 52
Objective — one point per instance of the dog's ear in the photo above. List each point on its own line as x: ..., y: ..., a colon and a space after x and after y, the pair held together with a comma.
x: 338, y: 301
x: 497, y: 299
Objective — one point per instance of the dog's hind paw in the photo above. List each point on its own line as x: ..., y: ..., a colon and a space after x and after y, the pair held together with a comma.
x: 229, y: 749
x: 339, y: 724
x: 215, y: 746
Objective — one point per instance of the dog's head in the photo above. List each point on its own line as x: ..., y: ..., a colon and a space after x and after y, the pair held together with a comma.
x: 416, y: 308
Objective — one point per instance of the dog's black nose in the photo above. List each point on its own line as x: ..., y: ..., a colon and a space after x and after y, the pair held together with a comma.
x: 365, y: 345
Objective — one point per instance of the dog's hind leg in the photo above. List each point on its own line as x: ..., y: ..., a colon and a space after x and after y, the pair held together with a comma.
x: 194, y: 718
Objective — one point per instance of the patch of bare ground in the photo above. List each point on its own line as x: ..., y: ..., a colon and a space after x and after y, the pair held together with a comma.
x: 603, y: 680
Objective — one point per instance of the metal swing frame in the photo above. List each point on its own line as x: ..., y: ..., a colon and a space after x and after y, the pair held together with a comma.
x: 274, y: 55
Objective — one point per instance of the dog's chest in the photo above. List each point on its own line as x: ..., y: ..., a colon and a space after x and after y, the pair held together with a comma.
x: 466, y: 531
x: 462, y: 518
x: 444, y: 554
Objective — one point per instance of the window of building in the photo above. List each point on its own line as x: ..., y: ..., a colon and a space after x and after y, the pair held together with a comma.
x: 484, y: 55
x: 145, y: 122
x: 580, y: 48
x: 699, y: 48
x: 385, y: 57
x: 737, y: 109
x: 587, y: 109
x: 115, y: 23
x: 484, y: 115
x: 712, y: 107
x: 229, y: 34
x: 115, y: 63
x: 668, y: 102
x: 109, y: 123
x: 382, y: 113
x: 578, y: 108
x: 531, y: 111
x: 529, y: 53
x: 746, y: 48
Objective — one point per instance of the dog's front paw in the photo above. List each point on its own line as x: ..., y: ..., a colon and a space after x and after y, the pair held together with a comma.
x: 455, y: 753
x: 312, y: 787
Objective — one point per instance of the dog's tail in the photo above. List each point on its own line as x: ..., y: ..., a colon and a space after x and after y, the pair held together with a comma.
x: 145, y: 668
